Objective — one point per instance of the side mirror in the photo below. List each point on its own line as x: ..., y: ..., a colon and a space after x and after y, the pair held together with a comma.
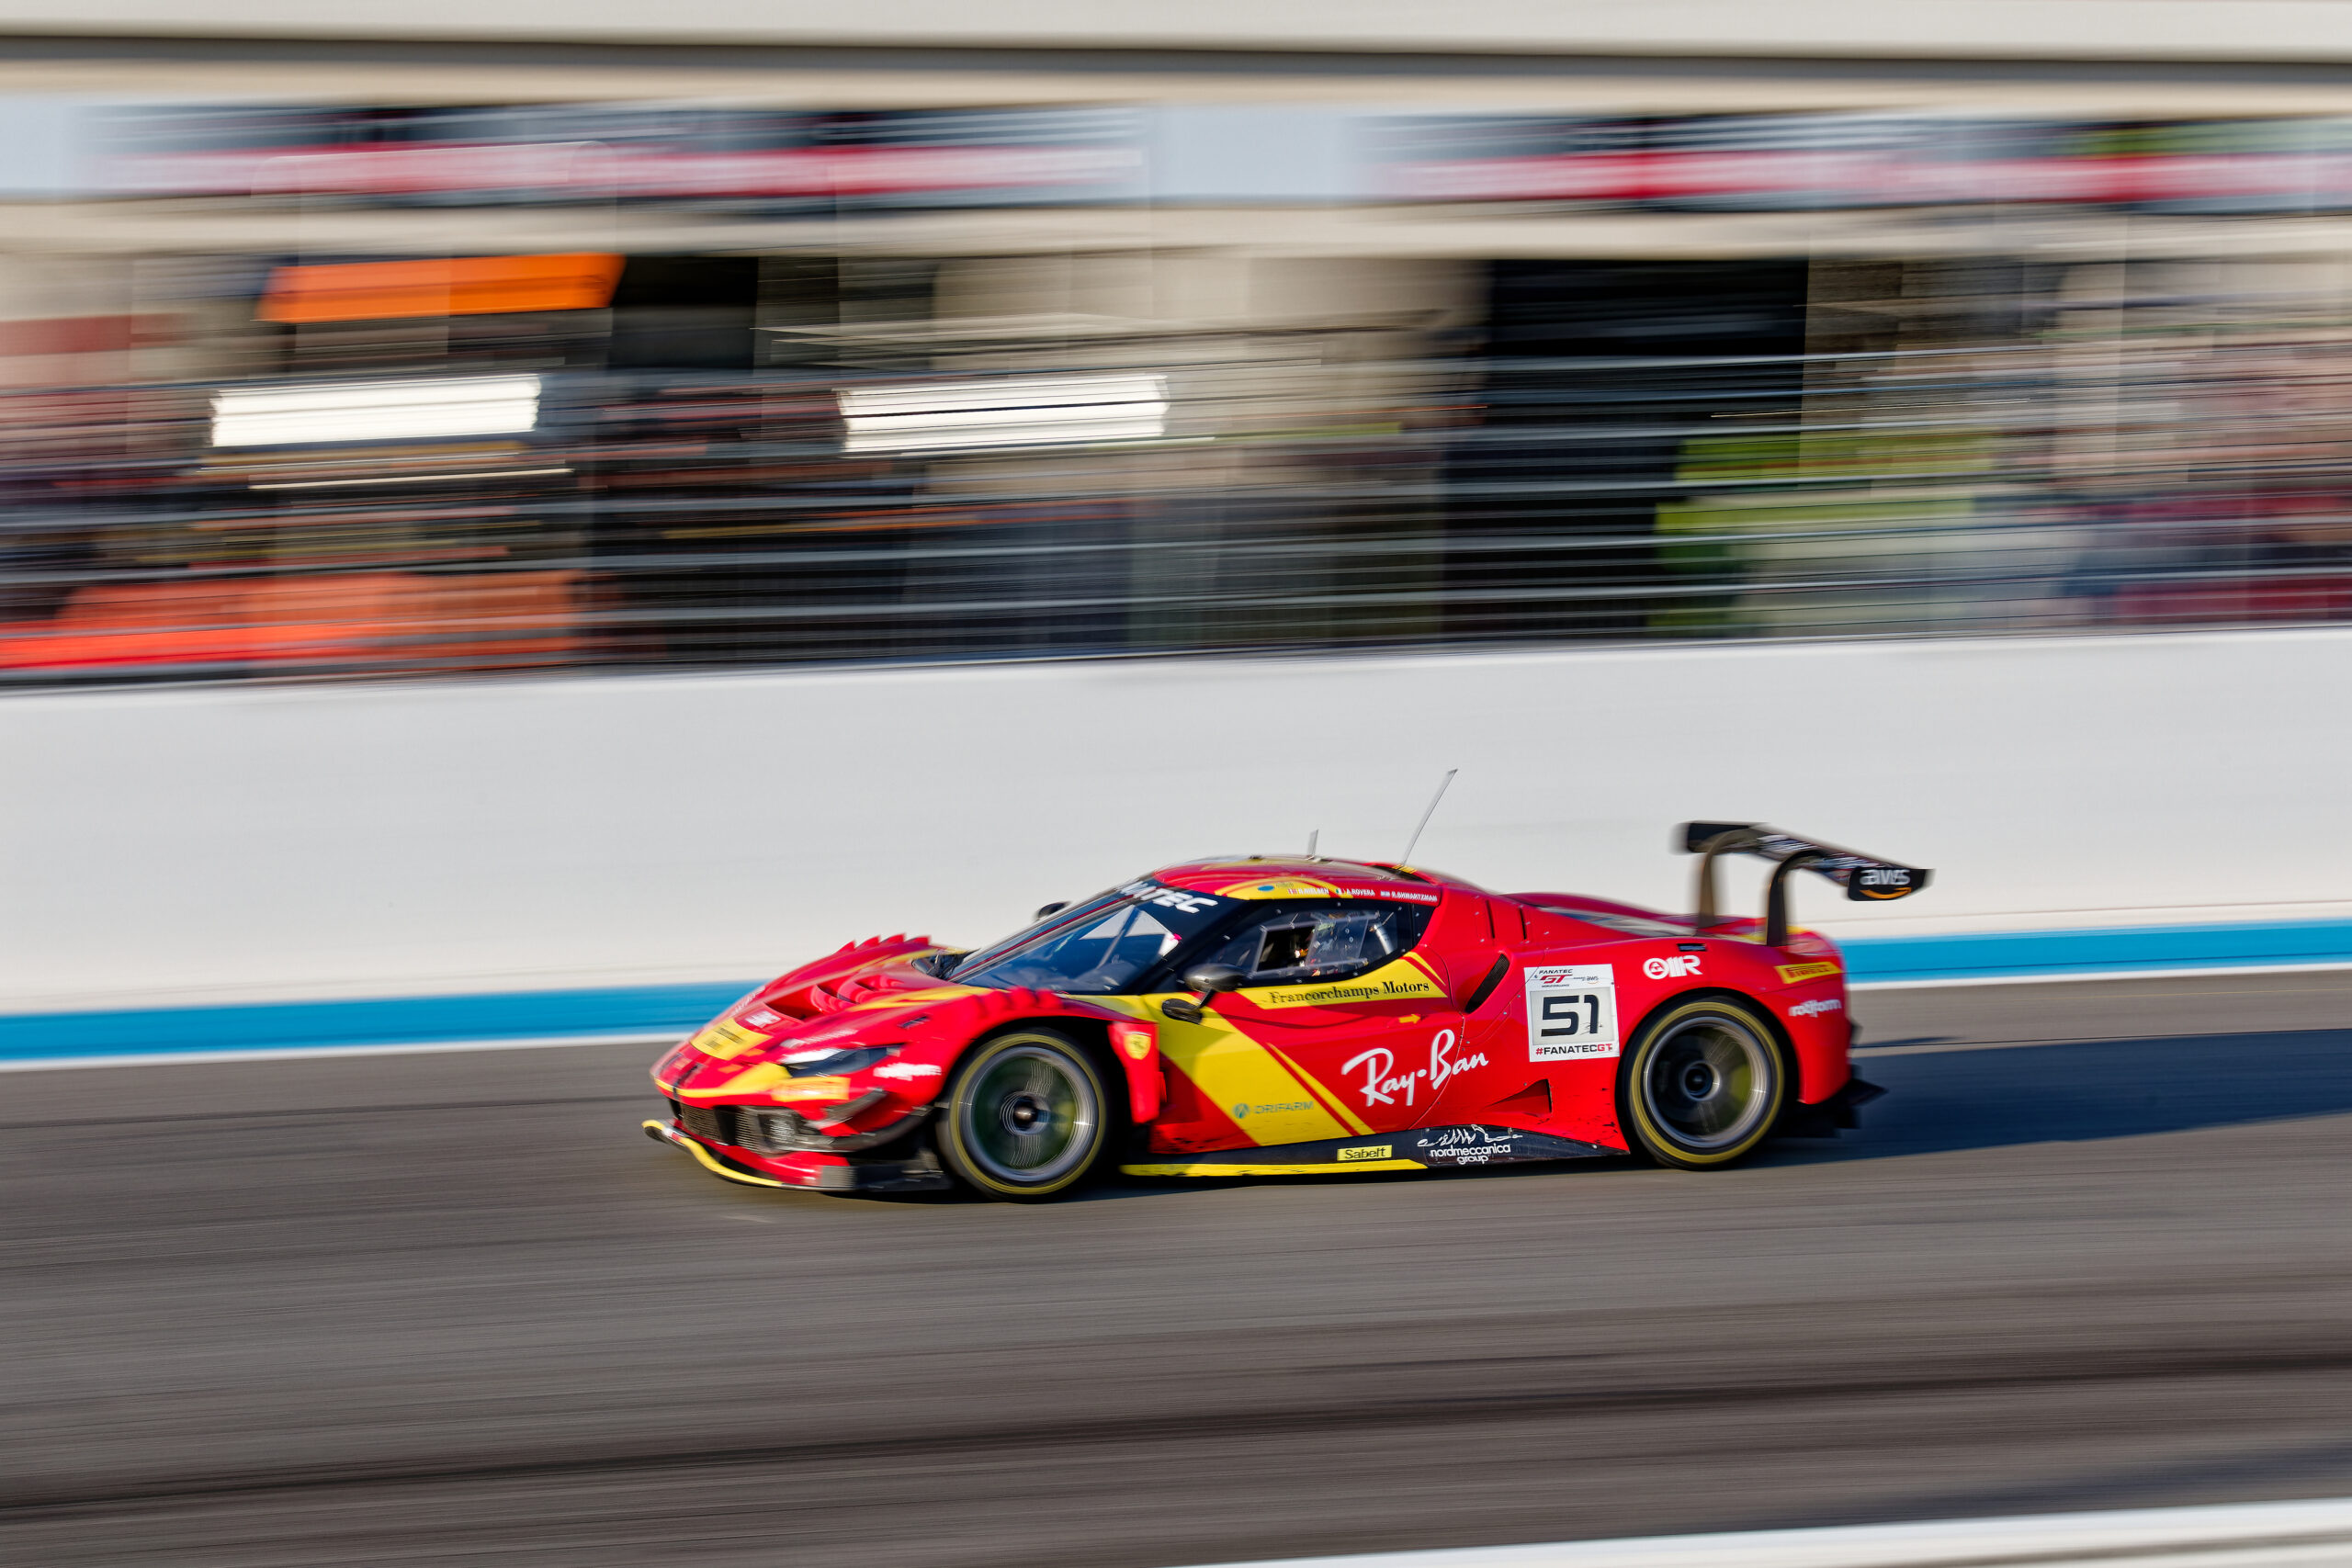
x: 1050, y: 908
x: 1209, y: 980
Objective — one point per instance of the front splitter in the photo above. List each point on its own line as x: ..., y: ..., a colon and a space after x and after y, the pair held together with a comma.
x: 821, y: 1173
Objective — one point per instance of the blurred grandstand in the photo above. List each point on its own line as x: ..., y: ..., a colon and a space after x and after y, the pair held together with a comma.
x: 300, y: 389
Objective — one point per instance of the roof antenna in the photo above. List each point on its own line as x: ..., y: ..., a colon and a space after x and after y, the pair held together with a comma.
x: 1427, y: 815
x: 1312, y: 835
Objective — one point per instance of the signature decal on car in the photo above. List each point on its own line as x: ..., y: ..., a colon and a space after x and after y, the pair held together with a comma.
x: 1467, y: 1146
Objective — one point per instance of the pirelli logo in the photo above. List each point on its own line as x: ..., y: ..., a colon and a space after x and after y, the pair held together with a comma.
x: 1365, y: 1151
x: 1792, y: 973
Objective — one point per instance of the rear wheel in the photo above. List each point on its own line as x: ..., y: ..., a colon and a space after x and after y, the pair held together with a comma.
x: 1026, y: 1117
x: 1703, y: 1084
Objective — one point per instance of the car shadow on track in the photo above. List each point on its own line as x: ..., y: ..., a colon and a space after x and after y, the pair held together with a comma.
x: 1943, y: 1098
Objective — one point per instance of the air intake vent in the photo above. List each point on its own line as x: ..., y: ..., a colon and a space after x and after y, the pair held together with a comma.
x: 712, y: 1123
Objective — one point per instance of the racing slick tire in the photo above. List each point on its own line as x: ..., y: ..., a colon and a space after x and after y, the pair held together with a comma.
x: 1026, y: 1117
x: 1702, y: 1084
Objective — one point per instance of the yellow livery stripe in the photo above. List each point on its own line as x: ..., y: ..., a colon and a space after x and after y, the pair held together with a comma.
x: 726, y: 1039
x: 1250, y: 1083
x: 1330, y: 1102
x: 752, y: 1079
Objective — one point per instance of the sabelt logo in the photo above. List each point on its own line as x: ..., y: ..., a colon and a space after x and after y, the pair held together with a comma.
x: 1365, y: 1151
x: 1793, y: 973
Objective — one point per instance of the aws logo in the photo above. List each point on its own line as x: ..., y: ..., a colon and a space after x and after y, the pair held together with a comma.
x: 1886, y: 882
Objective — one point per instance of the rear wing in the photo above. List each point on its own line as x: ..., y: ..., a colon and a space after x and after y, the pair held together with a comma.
x: 1864, y: 877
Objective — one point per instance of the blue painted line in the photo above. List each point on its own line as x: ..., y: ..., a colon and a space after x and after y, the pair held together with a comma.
x: 661, y: 1010
x: 387, y: 1021
x: 2119, y: 950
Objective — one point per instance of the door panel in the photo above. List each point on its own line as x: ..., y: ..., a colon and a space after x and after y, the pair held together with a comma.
x: 1332, y: 1039
x: 1230, y: 1089
x: 1361, y: 1043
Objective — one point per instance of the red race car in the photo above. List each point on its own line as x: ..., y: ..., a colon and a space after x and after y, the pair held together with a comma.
x: 1281, y: 1016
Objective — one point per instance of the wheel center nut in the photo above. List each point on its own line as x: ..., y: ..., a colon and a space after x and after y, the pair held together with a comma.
x: 1699, y: 1080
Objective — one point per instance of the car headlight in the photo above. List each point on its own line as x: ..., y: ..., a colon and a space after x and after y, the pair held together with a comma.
x: 837, y: 1063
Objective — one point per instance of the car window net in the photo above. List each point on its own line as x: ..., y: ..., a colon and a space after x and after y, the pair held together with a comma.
x: 1316, y: 944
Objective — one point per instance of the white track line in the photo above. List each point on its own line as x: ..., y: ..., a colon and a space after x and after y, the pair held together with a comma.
x: 311, y: 1053
x: 303, y: 1053
x: 2249, y: 1535
x: 2202, y: 972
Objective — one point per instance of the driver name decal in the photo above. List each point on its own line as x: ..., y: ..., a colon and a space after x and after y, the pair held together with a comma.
x: 1571, y: 1011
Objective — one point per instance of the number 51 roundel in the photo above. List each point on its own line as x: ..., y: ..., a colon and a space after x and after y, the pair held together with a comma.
x: 1571, y: 1011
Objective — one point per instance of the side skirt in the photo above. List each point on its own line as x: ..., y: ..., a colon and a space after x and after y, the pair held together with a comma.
x: 1420, y: 1148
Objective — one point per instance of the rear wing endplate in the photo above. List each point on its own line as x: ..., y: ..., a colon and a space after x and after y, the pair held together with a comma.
x: 1864, y: 877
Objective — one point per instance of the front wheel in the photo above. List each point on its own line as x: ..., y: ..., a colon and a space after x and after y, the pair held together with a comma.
x: 1703, y: 1085
x: 1026, y: 1116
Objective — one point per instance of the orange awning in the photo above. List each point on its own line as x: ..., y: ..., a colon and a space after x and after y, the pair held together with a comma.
x: 468, y: 285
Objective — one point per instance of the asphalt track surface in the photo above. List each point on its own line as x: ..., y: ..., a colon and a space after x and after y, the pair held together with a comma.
x: 2094, y: 1251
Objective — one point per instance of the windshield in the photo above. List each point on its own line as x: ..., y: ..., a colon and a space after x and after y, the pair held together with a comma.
x: 1100, y: 946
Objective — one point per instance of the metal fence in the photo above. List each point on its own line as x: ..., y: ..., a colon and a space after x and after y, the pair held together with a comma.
x: 1213, y: 496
